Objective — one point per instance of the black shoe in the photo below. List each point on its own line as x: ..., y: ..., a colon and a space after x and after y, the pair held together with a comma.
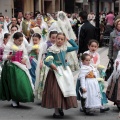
x: 18, y: 103
x: 89, y: 113
x: 56, y: 116
x: 81, y: 110
x: 104, y: 110
x: 61, y: 112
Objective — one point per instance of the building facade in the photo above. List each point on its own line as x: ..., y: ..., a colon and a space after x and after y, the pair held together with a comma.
x: 90, y: 5
x: 11, y: 7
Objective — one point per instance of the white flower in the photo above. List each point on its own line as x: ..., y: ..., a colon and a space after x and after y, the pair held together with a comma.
x: 34, y: 47
x: 15, y: 48
x: 49, y: 58
x: 101, y: 67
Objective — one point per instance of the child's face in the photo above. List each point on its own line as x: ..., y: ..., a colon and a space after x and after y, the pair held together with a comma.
x: 53, y: 38
x: 60, y: 40
x: 93, y: 47
x: 13, y: 30
x: 6, y: 39
x: 36, y: 40
x: 86, y: 61
x: 18, y: 41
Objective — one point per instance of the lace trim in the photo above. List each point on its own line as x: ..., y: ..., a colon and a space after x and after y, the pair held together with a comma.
x: 55, y: 49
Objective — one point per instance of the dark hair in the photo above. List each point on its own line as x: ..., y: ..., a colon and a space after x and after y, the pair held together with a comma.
x: 91, y: 41
x: 36, y: 35
x: 17, y: 35
x: 15, y: 18
x: 14, y: 26
x: 83, y: 15
x: 110, y: 12
x: 52, y: 32
x: 60, y: 33
x: 6, y: 35
x: 20, y: 11
x: 2, y: 16
x: 83, y: 57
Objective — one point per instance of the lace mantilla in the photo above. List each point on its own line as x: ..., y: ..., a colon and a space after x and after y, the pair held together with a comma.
x: 55, y: 49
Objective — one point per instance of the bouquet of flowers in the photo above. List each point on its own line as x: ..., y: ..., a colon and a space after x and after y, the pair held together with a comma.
x: 101, y: 67
x: 34, y: 47
x: 44, y: 32
x: 15, y: 49
x: 49, y: 58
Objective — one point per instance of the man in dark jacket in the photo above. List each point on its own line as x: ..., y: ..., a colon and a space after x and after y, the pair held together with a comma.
x: 86, y: 32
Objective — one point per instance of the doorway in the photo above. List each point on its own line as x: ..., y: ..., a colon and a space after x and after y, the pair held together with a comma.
x: 48, y: 6
x: 18, y: 6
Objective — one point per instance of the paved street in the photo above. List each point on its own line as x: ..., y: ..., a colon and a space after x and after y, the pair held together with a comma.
x: 33, y: 111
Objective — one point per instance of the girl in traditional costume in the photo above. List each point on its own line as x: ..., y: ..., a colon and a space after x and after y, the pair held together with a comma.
x: 37, y: 52
x: 89, y: 89
x: 34, y: 54
x: 95, y: 61
x: 16, y: 83
x: 59, y: 92
x: 52, y: 38
x: 15, y: 29
x: 2, y: 46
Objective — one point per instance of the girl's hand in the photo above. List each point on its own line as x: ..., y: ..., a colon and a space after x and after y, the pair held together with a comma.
x: 23, y: 61
x: 84, y: 90
x: 41, y: 64
x: 54, y: 67
x: 9, y: 57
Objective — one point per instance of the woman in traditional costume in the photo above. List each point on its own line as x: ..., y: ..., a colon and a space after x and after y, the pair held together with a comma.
x: 113, y: 92
x: 59, y: 92
x: 63, y: 25
x: 16, y: 83
x: 41, y: 27
x: 50, y: 20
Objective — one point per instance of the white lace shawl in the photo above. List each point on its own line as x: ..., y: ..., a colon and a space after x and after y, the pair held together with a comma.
x: 55, y: 49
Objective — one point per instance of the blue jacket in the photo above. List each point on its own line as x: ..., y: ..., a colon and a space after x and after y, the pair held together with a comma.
x: 59, y: 58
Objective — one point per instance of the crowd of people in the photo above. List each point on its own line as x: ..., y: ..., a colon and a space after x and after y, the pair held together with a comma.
x: 39, y: 53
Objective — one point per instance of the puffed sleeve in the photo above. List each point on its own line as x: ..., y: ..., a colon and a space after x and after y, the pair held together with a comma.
x: 6, y: 52
x: 83, y: 72
x: 73, y: 47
